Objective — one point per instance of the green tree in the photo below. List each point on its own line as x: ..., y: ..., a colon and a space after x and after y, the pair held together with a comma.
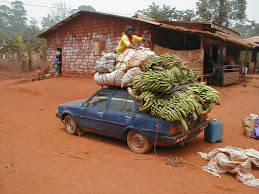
x: 166, y: 13
x: 58, y: 13
x: 242, y: 29
x: 12, y: 19
x: 185, y: 15
x: 157, y: 13
x: 85, y: 8
x: 223, y: 12
x: 21, y: 49
x: 254, y: 31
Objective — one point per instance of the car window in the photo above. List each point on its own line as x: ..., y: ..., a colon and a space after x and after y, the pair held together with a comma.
x: 130, y: 104
x: 122, y: 102
x: 118, y: 101
x: 99, y: 101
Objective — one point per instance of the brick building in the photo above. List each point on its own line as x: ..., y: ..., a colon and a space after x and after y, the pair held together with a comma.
x: 81, y: 35
x: 84, y: 34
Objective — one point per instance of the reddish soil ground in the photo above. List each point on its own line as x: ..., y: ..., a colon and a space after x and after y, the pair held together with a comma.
x: 38, y: 156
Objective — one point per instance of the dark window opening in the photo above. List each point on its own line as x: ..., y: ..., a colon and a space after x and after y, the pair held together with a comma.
x: 175, y: 40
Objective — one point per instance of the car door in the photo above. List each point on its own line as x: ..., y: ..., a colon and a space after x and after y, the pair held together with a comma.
x: 92, y: 113
x: 119, y: 114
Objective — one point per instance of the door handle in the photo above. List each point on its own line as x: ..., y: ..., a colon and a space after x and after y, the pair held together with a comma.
x: 100, y: 113
x: 127, y: 117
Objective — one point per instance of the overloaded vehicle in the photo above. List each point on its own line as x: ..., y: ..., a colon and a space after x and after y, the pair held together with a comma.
x: 112, y: 112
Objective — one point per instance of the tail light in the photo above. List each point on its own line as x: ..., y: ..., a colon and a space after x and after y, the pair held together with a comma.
x: 176, y: 129
x: 203, y: 117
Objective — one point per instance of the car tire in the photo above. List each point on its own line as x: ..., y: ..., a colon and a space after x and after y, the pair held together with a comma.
x: 137, y: 142
x: 70, y: 125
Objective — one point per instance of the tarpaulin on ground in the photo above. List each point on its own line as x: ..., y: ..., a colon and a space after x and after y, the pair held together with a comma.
x: 233, y: 160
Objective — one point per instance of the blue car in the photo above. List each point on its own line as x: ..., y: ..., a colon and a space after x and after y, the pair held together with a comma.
x: 113, y: 112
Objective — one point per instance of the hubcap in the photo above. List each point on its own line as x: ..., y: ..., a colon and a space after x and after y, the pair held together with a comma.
x: 138, y: 141
x: 69, y: 125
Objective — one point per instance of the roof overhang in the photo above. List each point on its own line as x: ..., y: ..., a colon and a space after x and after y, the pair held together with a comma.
x: 81, y: 12
x: 216, y: 31
x: 216, y: 35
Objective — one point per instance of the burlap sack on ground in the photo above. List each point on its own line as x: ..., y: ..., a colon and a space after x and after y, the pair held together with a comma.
x: 249, y: 125
x: 109, y: 79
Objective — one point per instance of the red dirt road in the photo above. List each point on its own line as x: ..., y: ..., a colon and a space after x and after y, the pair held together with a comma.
x: 38, y: 156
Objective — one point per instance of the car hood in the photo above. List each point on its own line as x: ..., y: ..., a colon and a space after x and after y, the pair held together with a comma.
x: 74, y: 103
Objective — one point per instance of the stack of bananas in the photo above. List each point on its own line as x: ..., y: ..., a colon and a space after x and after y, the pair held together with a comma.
x: 164, y: 73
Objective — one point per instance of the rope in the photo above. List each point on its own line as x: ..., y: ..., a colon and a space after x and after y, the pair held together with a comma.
x: 157, y: 127
x: 169, y: 160
x: 177, y: 162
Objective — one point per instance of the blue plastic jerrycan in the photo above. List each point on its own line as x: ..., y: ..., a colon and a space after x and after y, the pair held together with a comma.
x: 214, y: 132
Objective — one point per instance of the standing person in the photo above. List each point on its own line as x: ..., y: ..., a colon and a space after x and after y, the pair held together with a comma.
x: 39, y: 73
x: 57, y: 67
x: 58, y: 54
x: 128, y: 40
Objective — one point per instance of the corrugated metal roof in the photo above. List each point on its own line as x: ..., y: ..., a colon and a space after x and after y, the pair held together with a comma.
x: 217, y: 34
x: 253, y: 40
x: 58, y: 25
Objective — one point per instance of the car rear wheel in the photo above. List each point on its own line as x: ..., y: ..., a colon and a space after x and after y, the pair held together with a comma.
x: 70, y: 125
x: 137, y: 142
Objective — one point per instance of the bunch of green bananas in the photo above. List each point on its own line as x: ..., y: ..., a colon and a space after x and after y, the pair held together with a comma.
x: 166, y: 61
x: 160, y: 75
x: 170, y: 62
x: 156, y: 81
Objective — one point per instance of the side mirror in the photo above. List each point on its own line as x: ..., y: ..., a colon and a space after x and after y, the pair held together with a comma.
x: 86, y: 104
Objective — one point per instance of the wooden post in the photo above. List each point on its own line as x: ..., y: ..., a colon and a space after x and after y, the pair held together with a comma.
x: 243, y: 70
x: 201, y: 48
x: 254, y: 58
x: 222, y: 64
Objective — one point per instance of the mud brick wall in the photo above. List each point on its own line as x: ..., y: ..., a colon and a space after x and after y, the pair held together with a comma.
x: 77, y: 38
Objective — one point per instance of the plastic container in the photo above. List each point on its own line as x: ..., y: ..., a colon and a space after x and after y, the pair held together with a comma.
x: 214, y: 132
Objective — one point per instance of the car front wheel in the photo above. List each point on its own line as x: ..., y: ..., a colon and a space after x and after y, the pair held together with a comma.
x: 70, y: 125
x: 137, y: 142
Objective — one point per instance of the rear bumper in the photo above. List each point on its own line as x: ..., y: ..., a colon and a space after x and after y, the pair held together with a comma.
x: 185, y: 135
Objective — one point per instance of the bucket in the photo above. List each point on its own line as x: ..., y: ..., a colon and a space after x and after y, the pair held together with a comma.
x: 214, y: 132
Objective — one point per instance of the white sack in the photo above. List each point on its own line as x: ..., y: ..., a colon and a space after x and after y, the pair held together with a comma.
x: 109, y: 79
x: 128, y: 76
x: 141, y: 57
x: 121, y: 66
x: 126, y: 55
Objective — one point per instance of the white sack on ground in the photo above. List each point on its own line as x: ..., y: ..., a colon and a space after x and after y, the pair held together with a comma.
x: 233, y: 160
x: 128, y: 76
x: 109, y: 79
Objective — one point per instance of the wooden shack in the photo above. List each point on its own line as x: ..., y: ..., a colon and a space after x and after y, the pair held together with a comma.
x: 211, y: 50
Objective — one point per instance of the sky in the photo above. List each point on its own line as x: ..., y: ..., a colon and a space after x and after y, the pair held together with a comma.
x: 118, y: 6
